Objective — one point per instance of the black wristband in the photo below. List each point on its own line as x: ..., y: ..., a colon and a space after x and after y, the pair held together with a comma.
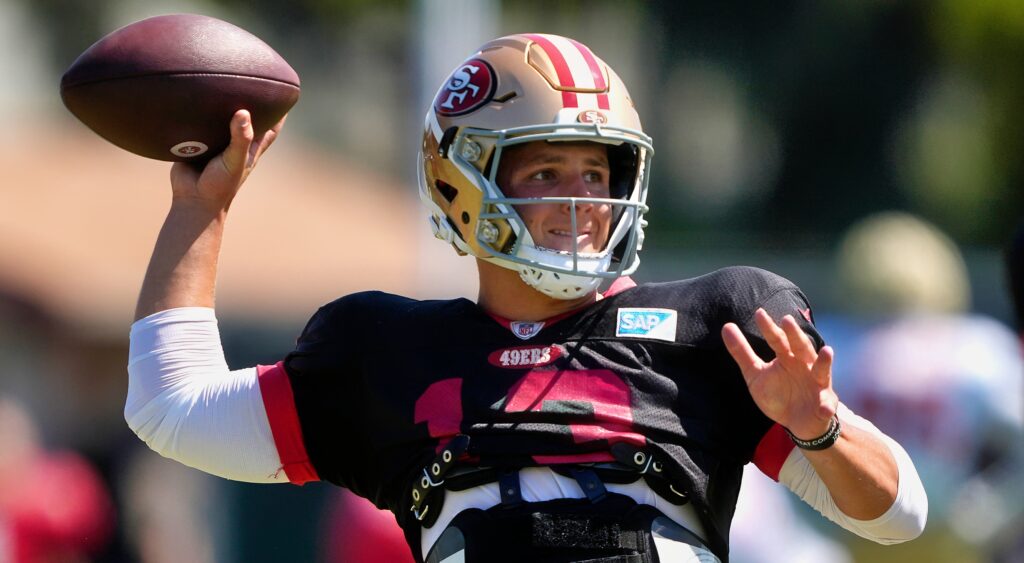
x: 825, y: 441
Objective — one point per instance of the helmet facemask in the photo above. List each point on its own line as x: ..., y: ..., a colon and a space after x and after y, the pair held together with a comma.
x: 516, y: 90
x: 561, y: 274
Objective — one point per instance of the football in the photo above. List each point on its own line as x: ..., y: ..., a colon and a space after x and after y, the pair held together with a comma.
x: 166, y: 87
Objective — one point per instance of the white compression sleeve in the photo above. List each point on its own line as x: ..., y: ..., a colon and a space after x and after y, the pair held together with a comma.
x: 186, y: 404
x: 904, y: 520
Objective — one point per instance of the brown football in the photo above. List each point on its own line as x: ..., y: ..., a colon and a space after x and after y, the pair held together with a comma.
x: 166, y: 87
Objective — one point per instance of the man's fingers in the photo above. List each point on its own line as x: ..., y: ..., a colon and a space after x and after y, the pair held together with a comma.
x: 279, y: 125
x: 773, y: 335
x: 740, y: 350
x: 799, y: 343
x: 821, y: 370
x: 236, y: 156
x: 260, y: 146
x: 263, y: 142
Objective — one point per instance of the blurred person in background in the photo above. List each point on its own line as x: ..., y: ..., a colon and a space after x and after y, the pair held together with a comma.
x: 547, y: 421
x: 356, y: 531
x: 768, y: 528
x: 947, y: 384
x: 54, y: 508
x: 170, y: 513
x: 997, y: 494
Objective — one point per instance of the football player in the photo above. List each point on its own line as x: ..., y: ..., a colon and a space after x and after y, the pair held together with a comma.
x: 944, y: 382
x: 545, y: 421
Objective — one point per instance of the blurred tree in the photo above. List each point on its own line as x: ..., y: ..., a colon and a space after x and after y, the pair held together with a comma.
x: 830, y: 79
x: 787, y: 118
x: 71, y: 26
x: 984, y: 40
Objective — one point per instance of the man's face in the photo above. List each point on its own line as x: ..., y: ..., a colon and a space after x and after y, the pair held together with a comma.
x: 560, y: 169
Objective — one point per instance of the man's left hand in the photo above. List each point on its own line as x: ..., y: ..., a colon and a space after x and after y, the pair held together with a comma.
x: 795, y: 388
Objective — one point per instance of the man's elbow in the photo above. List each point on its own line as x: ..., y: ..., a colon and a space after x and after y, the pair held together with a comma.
x: 905, y: 525
x: 153, y: 422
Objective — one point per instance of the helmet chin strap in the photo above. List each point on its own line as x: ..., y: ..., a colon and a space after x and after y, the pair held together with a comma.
x: 557, y: 285
x: 560, y: 285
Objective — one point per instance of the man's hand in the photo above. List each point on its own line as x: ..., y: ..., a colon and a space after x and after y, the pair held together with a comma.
x: 183, y: 269
x: 795, y: 388
x: 215, y: 185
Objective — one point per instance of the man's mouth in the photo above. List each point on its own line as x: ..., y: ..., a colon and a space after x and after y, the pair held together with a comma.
x: 562, y: 239
x: 561, y: 233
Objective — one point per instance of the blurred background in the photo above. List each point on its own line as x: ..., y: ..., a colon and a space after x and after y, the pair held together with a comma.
x: 869, y: 151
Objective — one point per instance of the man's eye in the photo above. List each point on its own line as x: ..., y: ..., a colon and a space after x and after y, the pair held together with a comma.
x: 542, y: 175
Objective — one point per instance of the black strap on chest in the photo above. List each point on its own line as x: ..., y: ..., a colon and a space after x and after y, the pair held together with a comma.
x: 427, y: 489
x: 632, y: 463
x: 652, y: 470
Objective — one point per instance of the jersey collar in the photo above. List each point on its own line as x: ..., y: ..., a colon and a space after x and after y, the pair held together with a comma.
x: 526, y: 330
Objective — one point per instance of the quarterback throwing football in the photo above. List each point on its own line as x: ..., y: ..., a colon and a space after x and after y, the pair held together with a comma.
x: 547, y: 422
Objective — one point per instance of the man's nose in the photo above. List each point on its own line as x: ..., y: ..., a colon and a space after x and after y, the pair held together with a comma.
x: 578, y: 187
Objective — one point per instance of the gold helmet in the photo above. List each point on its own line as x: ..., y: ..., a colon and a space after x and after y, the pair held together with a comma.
x: 519, y: 89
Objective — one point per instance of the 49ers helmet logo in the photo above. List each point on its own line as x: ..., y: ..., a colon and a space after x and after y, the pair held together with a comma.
x: 592, y: 116
x: 469, y: 87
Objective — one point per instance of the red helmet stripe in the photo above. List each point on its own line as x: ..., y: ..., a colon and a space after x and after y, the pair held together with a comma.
x: 561, y: 68
x: 595, y: 70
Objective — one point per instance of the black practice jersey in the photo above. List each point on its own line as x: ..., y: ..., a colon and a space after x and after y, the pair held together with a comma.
x: 380, y: 381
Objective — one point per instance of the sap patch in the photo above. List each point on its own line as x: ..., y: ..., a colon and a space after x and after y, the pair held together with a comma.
x: 658, y: 324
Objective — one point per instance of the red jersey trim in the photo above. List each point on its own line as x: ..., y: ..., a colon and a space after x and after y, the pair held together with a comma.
x: 279, y: 402
x: 619, y: 285
x: 772, y: 451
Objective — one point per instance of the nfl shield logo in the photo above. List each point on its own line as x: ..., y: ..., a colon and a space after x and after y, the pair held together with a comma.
x: 526, y: 330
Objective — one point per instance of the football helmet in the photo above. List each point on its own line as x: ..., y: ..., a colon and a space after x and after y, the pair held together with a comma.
x: 519, y: 89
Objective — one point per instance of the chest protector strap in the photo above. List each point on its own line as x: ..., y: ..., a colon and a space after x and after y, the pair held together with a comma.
x: 427, y: 490
x: 632, y: 463
x: 652, y: 470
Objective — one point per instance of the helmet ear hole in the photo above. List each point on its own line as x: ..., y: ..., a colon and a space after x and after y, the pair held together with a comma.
x: 447, y: 191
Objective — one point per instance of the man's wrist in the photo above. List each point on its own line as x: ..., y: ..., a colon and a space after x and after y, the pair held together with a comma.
x: 198, y: 207
x: 821, y: 442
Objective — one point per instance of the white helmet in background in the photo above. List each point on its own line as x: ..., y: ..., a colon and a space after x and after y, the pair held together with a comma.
x: 519, y: 89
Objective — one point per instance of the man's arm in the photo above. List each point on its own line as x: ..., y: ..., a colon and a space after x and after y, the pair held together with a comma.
x: 795, y: 390
x: 183, y: 269
x: 183, y: 400
x: 904, y: 520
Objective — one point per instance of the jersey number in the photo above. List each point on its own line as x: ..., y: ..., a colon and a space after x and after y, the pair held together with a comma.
x: 599, y: 399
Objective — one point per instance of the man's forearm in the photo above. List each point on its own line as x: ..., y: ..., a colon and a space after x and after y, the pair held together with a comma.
x: 183, y: 269
x: 860, y: 473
